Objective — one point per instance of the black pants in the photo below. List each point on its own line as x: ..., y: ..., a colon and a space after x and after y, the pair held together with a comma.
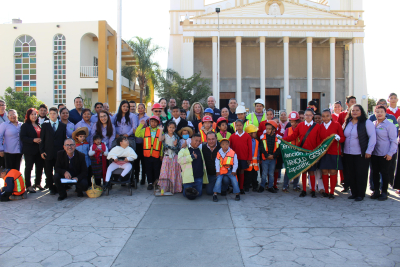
x: 392, y: 168
x: 140, y: 161
x: 81, y: 185
x: 153, y: 168
x: 12, y: 161
x: 5, y: 196
x: 39, y: 164
x: 380, y: 166
x: 396, y: 183
x: 356, y: 173
x: 48, y: 170
x: 251, y: 178
x: 2, y: 162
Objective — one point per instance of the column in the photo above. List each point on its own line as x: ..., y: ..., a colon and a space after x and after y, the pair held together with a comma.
x: 112, y: 64
x: 359, y: 74
x: 309, y: 68
x: 285, y: 70
x: 351, y: 76
x: 188, y: 55
x: 333, y: 70
x: 262, y: 68
x: 102, y: 56
x: 239, y: 69
x: 215, y: 67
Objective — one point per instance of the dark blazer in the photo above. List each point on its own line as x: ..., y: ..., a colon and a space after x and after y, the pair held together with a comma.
x: 62, y: 164
x: 27, y: 135
x: 182, y: 123
x: 52, y: 142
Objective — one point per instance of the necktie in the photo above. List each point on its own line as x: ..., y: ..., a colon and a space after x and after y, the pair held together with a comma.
x: 54, y: 126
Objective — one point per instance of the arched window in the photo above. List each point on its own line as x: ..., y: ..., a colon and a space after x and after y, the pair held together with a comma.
x: 60, y: 83
x: 25, y: 64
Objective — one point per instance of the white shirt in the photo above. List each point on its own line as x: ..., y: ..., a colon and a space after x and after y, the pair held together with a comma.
x: 394, y: 110
x: 176, y: 120
x: 308, y: 124
x: 327, y: 125
x: 240, y: 135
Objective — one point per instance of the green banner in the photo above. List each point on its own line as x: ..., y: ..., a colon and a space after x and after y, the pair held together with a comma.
x: 298, y: 160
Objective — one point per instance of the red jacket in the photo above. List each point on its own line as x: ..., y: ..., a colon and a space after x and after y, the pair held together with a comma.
x: 334, y: 128
x: 242, y: 146
x: 342, y: 117
x: 397, y: 114
x: 313, y: 139
x: 335, y: 117
x: 261, y: 128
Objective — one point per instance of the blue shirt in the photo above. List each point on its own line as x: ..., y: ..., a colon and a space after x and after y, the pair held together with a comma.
x: 9, y: 136
x: 386, y: 139
x: 70, y: 128
x: 94, y: 118
x: 122, y: 127
x: 107, y: 140
x: 82, y: 123
x: 389, y: 117
x: 74, y: 116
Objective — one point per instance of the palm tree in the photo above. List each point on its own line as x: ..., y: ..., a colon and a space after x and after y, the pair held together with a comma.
x: 144, y: 51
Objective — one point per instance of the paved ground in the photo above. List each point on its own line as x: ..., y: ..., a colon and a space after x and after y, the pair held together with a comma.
x: 142, y: 230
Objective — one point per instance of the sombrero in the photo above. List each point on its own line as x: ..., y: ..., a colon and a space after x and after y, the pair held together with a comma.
x: 80, y: 129
x: 190, y: 131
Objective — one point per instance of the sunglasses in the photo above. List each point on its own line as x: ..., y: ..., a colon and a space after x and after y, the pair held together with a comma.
x: 157, y: 111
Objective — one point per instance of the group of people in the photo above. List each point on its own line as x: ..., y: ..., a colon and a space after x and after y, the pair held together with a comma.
x: 185, y: 149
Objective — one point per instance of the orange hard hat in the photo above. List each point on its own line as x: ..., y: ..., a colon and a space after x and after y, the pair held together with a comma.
x: 273, y: 123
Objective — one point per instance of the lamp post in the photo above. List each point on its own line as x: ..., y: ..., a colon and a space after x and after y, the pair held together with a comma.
x: 119, y: 23
x: 218, y: 61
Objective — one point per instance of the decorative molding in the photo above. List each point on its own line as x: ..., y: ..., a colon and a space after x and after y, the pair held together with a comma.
x: 238, y: 39
x: 262, y: 39
x: 358, y: 40
x: 274, y: 8
x: 286, y: 39
x: 188, y: 39
x: 214, y: 39
x: 309, y: 40
x: 332, y: 40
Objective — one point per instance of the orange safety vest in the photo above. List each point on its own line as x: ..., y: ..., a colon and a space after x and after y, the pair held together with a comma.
x: 295, y: 142
x: 254, y: 161
x: 266, y: 147
x: 228, y: 160
x: 19, y: 182
x: 204, y: 135
x: 147, y: 146
x: 214, y: 126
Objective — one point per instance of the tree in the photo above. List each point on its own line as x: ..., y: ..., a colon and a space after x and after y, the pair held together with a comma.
x: 172, y: 85
x: 371, y: 103
x: 144, y: 70
x: 20, y: 101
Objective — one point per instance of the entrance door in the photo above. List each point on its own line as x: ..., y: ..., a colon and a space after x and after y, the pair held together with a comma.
x: 224, y: 99
x: 272, y: 96
x: 304, y: 103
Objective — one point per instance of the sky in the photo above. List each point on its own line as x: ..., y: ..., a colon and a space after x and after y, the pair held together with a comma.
x: 150, y: 18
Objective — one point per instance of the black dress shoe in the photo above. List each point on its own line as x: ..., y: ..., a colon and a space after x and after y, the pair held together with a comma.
x: 325, y: 194
x: 223, y: 193
x: 272, y: 190
x: 60, y: 198
x: 150, y: 187
x: 260, y: 189
x: 303, y: 194
x: 313, y: 194
x: 376, y: 195
x: 242, y: 192
x: 383, y: 197
x: 331, y: 196
x: 39, y: 187
x: 352, y: 197
x: 237, y: 198
x: 359, y: 199
x: 80, y: 194
x: 215, y: 198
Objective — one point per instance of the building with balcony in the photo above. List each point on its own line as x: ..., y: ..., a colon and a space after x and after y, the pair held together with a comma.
x: 285, y: 51
x: 60, y: 60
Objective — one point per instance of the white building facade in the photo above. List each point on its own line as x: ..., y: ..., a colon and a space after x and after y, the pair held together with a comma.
x: 287, y: 52
x: 61, y: 60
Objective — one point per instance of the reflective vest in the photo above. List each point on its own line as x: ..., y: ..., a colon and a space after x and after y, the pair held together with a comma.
x: 254, y: 161
x: 204, y: 135
x: 233, y: 125
x: 214, y: 125
x: 266, y: 147
x: 228, y: 160
x: 19, y: 182
x: 254, y: 120
x: 295, y: 142
x: 147, y: 147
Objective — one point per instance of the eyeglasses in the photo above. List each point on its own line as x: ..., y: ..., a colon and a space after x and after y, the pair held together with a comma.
x: 157, y: 111
x: 69, y: 145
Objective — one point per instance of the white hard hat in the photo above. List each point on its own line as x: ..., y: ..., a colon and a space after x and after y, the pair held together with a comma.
x: 240, y: 109
x: 259, y: 101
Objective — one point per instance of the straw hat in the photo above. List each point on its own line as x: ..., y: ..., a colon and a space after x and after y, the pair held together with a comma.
x: 190, y: 131
x: 80, y: 129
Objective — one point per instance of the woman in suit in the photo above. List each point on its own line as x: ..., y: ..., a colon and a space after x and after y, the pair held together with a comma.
x: 30, y: 138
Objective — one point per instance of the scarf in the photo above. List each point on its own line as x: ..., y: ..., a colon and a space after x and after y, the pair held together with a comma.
x: 84, y: 143
x: 223, y: 133
x: 99, y: 156
x: 198, y: 116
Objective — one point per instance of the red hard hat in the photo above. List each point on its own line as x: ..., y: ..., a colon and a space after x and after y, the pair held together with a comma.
x: 294, y: 116
x: 207, y: 118
x: 156, y: 106
x: 154, y: 117
x: 220, y: 119
x: 273, y: 123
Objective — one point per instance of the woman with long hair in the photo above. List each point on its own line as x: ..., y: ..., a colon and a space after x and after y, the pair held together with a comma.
x: 165, y: 115
x: 30, y: 138
x: 64, y: 115
x: 359, y: 144
x: 104, y: 128
x: 196, y: 115
x: 125, y: 123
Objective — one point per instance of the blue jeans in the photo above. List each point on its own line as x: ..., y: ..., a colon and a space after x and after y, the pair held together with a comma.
x: 286, y: 182
x: 218, y: 183
x: 198, y: 184
x: 211, y: 183
x: 268, y: 168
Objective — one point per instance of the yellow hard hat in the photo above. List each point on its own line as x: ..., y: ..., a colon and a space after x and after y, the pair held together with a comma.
x: 251, y: 129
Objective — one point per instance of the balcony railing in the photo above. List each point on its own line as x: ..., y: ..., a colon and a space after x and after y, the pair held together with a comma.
x: 125, y: 82
x: 89, y: 71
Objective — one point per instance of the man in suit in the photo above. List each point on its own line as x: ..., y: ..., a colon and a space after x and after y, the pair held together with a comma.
x: 53, y: 135
x: 42, y: 114
x: 176, y: 117
x: 70, y: 165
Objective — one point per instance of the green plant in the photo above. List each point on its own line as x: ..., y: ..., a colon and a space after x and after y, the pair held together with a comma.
x: 87, y: 101
x: 371, y: 103
x: 20, y: 101
x: 172, y: 85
